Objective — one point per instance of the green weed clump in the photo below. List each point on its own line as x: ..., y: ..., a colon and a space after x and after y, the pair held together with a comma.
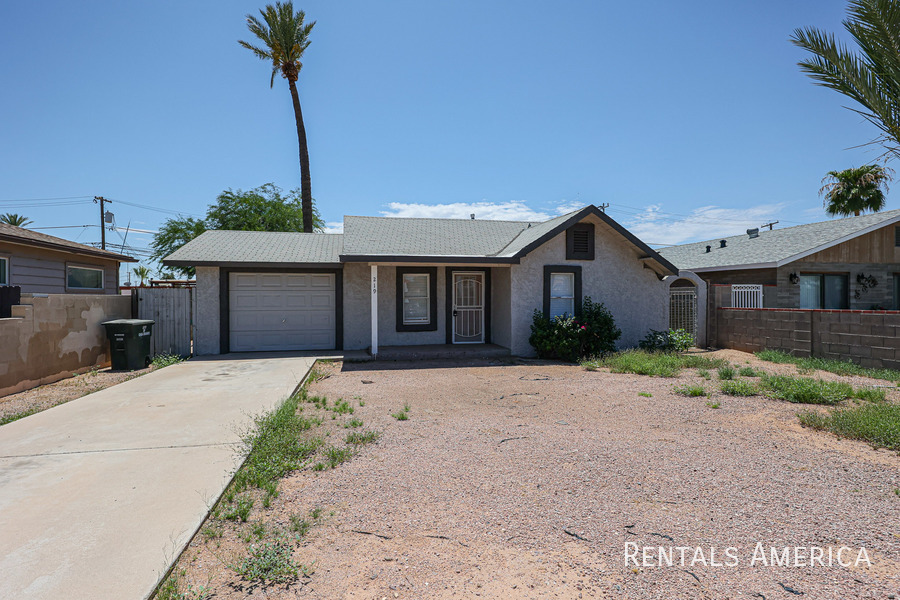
x: 655, y: 364
x: 804, y: 390
x: 877, y: 424
x: 359, y: 438
x: 270, y: 562
x: 838, y: 367
x: 726, y: 372
x: 690, y: 390
x: 165, y: 360
x: 739, y: 387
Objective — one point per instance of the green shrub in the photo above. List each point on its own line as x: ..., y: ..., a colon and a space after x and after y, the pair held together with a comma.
x: 673, y: 340
x: 591, y: 333
x: 804, y: 390
x: 870, y: 394
x: 748, y: 372
x: 877, y: 424
x: 739, y: 388
x: 165, y: 360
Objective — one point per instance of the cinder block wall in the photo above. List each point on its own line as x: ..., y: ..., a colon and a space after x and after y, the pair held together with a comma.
x: 51, y: 337
x: 869, y: 338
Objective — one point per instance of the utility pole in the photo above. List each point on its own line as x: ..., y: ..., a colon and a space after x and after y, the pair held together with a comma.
x: 769, y: 225
x: 102, y: 200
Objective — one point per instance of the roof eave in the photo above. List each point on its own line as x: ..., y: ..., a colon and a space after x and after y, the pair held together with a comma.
x: 11, y: 239
x: 232, y: 264
x: 368, y: 258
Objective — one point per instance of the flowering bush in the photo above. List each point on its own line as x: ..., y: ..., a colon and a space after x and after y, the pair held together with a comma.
x: 592, y: 333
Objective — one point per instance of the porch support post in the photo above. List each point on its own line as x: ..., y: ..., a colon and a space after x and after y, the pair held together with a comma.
x: 374, y: 310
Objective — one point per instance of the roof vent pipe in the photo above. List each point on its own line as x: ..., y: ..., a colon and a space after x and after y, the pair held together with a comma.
x: 721, y: 243
x: 472, y: 216
x: 708, y: 249
x: 753, y: 233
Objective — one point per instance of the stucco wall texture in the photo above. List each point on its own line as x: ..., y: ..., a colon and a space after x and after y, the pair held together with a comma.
x: 51, y: 337
x: 636, y: 297
x: 207, y: 317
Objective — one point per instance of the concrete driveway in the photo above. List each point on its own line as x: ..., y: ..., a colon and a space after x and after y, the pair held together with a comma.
x: 97, y: 496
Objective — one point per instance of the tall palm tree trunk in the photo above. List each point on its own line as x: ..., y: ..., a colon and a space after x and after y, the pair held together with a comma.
x: 305, y: 181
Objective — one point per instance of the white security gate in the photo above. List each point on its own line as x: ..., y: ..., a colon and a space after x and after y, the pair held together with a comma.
x: 683, y: 310
x: 281, y: 311
x: 173, y: 311
x: 468, y: 308
x: 746, y: 296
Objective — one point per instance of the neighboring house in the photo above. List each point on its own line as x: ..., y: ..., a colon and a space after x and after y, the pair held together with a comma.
x: 426, y: 281
x: 850, y: 263
x: 43, y: 264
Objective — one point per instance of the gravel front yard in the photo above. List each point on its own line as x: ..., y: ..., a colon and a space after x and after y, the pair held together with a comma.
x: 528, y: 481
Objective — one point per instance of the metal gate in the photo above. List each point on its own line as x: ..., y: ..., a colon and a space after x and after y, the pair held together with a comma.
x: 683, y: 310
x: 173, y: 311
x: 747, y: 295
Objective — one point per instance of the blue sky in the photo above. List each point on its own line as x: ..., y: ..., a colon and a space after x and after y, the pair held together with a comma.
x: 690, y: 119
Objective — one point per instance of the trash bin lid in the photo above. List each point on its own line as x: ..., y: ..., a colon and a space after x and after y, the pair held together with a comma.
x: 129, y: 322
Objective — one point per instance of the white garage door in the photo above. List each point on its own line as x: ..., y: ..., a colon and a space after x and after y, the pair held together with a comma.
x: 281, y: 311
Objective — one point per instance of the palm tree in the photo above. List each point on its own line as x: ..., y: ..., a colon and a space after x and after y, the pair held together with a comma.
x: 142, y: 272
x: 14, y: 219
x: 285, y: 37
x: 872, y: 77
x: 855, y: 190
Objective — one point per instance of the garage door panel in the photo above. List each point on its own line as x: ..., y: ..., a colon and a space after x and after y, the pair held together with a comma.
x: 282, y: 311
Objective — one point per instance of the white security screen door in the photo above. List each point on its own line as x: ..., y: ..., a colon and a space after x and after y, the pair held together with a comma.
x: 468, y: 308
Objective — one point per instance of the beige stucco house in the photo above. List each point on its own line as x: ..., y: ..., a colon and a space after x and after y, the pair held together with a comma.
x: 407, y: 282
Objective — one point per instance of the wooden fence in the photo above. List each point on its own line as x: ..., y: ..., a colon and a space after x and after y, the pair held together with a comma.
x: 173, y: 311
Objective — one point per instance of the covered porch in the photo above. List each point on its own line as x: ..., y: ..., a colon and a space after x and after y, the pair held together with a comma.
x: 421, y: 310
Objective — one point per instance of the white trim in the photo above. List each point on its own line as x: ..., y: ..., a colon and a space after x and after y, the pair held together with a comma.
x: 374, y: 310
x: 5, y: 259
x: 453, y: 275
x: 427, y: 319
x: 86, y: 268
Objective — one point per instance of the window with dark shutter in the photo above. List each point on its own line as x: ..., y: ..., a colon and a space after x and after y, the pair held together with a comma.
x: 580, y: 242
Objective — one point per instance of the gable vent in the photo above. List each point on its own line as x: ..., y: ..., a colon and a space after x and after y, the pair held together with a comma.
x: 581, y: 241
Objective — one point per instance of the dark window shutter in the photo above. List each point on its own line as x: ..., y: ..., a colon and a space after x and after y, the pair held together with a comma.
x: 580, y: 242
x: 897, y: 236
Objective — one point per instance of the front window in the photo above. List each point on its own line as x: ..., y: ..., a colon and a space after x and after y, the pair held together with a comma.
x: 562, y: 294
x: 823, y: 290
x: 84, y: 278
x: 416, y: 300
x: 4, y: 271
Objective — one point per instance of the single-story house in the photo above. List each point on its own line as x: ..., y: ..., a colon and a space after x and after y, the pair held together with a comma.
x: 43, y: 264
x: 849, y: 263
x: 403, y: 282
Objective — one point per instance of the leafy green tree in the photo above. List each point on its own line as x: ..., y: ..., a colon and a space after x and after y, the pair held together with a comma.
x: 852, y: 191
x: 285, y: 37
x: 870, y: 77
x: 14, y: 219
x: 141, y: 272
x: 266, y: 208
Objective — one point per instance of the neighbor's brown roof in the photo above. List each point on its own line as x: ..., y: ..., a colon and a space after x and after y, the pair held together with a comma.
x: 18, y: 235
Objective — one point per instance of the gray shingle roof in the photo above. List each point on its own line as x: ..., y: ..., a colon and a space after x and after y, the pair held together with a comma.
x: 427, y: 237
x: 258, y: 247
x: 777, y: 247
x: 431, y: 240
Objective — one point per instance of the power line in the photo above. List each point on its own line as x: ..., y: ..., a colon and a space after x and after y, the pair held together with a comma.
x: 157, y: 209
x: 42, y: 199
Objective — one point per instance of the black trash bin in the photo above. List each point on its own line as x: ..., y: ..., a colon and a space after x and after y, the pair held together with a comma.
x: 129, y: 343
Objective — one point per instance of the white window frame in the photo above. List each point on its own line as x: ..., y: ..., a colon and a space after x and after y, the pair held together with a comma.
x: 571, y: 276
x: 5, y: 270
x: 427, y: 297
x: 86, y: 268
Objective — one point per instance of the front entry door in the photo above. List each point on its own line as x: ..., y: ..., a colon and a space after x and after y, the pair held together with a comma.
x: 468, y: 308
